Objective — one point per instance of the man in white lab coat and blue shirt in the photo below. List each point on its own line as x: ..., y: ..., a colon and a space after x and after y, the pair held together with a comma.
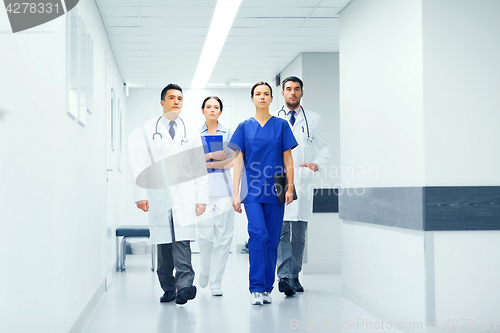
x: 169, y: 168
x: 307, y: 126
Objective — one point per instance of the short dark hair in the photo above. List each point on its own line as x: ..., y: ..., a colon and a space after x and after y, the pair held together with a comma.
x: 293, y: 79
x: 168, y: 87
x: 261, y: 83
x: 214, y: 97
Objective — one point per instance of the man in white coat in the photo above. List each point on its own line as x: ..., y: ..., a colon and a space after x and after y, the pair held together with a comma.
x: 172, y: 186
x: 309, y: 132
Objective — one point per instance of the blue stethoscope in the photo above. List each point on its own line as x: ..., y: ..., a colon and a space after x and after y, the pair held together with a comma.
x: 309, y: 139
x: 184, y: 140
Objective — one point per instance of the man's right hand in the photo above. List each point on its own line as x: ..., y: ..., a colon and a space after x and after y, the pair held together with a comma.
x: 144, y: 205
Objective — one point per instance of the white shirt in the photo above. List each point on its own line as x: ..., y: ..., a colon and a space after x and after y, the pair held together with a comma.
x: 288, y: 113
x: 166, y: 122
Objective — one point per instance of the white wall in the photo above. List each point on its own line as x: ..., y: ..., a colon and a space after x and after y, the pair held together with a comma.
x: 467, y: 275
x: 53, y: 178
x: 323, y: 252
x: 381, y: 93
x: 461, y: 99
x: 383, y: 270
x: 381, y: 129
x: 320, y: 73
x: 418, y: 102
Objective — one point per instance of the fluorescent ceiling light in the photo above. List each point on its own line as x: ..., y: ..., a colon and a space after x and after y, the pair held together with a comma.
x: 241, y: 84
x: 225, y: 12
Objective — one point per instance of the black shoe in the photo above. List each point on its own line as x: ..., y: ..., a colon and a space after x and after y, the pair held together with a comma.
x: 286, y: 286
x: 185, y: 294
x: 168, y: 296
x: 297, y: 287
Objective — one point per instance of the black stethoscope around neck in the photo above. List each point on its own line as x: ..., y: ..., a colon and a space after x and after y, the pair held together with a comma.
x: 309, y: 139
x: 184, y: 140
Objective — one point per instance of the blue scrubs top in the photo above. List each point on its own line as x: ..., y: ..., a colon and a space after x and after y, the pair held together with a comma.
x: 263, y: 149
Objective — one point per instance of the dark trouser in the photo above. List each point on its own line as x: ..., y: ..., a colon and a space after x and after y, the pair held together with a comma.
x: 291, y: 249
x: 175, y: 255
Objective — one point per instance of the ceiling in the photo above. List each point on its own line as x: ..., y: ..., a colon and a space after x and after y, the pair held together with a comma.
x: 155, y: 41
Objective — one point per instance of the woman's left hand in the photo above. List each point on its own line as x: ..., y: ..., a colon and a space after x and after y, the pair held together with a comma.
x: 288, y: 197
x: 219, y: 155
x: 237, y: 203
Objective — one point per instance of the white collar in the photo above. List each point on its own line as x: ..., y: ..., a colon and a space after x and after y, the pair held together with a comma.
x: 297, y: 110
x: 166, y: 122
x: 220, y: 128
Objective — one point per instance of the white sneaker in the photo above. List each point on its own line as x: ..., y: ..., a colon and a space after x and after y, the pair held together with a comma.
x: 256, y: 299
x: 203, y: 280
x: 266, y: 297
x: 217, y: 292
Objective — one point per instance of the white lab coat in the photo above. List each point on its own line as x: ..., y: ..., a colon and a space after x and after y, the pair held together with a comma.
x: 317, y: 151
x: 180, y: 198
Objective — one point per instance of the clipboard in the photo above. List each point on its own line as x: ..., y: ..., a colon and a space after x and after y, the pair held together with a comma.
x: 212, y: 143
x: 281, y: 186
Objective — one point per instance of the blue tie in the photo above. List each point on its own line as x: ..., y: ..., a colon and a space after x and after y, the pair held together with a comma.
x: 171, y: 131
x: 292, y: 117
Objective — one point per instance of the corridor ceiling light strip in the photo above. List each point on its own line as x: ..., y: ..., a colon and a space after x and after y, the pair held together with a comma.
x: 241, y: 84
x: 225, y: 12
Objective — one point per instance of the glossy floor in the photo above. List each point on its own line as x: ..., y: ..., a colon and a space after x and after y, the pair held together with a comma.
x: 131, y: 305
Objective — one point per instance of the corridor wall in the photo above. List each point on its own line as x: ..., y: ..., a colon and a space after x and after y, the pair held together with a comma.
x: 420, y: 240
x: 53, y: 180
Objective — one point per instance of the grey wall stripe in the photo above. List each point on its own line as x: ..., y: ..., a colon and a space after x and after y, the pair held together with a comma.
x: 391, y: 206
x: 424, y: 208
x: 407, y: 213
x: 462, y: 208
x: 325, y: 200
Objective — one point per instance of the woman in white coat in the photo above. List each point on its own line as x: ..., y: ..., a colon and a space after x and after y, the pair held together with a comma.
x: 172, y: 186
x: 215, y: 227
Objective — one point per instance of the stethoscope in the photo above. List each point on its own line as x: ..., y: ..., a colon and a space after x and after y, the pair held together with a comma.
x: 184, y: 140
x: 309, y: 139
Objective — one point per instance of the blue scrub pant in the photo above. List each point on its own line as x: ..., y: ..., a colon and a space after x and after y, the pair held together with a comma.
x: 264, y: 228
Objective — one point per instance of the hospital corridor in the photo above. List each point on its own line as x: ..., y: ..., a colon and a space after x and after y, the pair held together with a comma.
x: 131, y: 305
x: 249, y: 166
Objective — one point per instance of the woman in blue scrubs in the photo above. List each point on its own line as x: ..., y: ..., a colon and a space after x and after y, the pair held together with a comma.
x: 263, y: 144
